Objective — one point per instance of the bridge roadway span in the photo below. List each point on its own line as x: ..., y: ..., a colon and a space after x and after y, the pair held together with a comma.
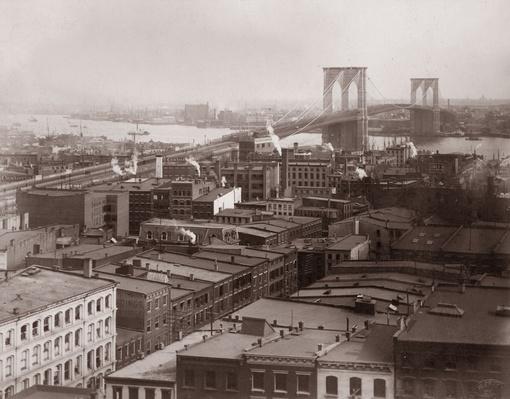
x: 286, y: 129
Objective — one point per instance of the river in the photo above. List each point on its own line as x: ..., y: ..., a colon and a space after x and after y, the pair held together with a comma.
x: 57, y: 124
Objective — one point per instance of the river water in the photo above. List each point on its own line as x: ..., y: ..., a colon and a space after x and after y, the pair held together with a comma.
x: 57, y: 124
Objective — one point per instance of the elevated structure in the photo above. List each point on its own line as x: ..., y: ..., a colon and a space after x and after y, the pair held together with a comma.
x: 424, y: 122
x: 352, y: 135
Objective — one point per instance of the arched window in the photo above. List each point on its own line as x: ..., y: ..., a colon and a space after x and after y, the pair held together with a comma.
x: 108, y: 301
x: 355, y: 387
x: 331, y: 385
x: 107, y: 325
x: 164, y: 236
x: 379, y: 388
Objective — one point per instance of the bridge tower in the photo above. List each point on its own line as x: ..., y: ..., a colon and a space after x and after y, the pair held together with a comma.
x: 422, y: 121
x: 351, y: 136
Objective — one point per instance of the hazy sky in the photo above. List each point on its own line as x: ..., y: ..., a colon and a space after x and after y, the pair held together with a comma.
x: 231, y: 51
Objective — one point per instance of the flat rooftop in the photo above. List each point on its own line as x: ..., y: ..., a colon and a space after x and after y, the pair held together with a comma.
x: 86, y: 251
x: 179, y: 269
x: 186, y: 223
x: 348, y: 242
x: 424, y: 238
x: 37, y: 287
x: 243, y: 259
x: 286, y: 312
x: 255, y: 232
x: 478, y: 324
x: 54, y: 192
x: 213, y: 194
x: 160, y: 365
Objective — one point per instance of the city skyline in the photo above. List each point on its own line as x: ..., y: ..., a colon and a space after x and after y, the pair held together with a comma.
x: 235, y: 52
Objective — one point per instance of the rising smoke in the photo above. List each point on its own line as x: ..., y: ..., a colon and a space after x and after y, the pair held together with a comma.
x: 193, y: 162
x: 223, y: 181
x: 329, y: 146
x: 130, y: 165
x: 188, y: 233
x: 361, y: 173
x: 412, y: 148
x: 274, y: 138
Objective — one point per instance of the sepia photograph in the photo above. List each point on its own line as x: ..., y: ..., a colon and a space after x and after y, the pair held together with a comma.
x: 254, y: 199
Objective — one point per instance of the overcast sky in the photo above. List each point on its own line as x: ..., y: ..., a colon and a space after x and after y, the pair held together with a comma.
x: 232, y: 51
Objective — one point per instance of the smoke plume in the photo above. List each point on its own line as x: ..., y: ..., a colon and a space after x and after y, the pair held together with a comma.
x: 361, y: 173
x: 274, y: 138
x: 223, y: 181
x: 188, y: 233
x: 412, y: 148
x: 131, y: 166
x: 193, y: 162
x: 329, y: 146
x: 116, y: 168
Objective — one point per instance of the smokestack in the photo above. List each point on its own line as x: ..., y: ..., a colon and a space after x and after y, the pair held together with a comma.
x: 259, y: 341
x: 301, y: 325
x: 159, y: 167
x: 282, y: 333
x: 337, y: 338
x: 191, y: 276
x: 356, y: 226
x: 319, y: 347
x: 88, y: 268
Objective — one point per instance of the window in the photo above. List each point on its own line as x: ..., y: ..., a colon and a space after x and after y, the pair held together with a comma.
x: 280, y: 382
x: 303, y: 383
x: 495, y: 365
x: 148, y: 306
x: 46, y: 350
x: 257, y: 380
x: 331, y: 385
x: 9, y: 362
x: 210, y: 380
x: 90, y: 360
x: 58, y: 320
x: 189, y: 378
x: 35, y: 328
x: 166, y: 394
x: 90, y: 308
x: 46, y: 324
x: 68, y: 338
x: 107, y: 352
x: 68, y: 366
x: 24, y: 332
x: 90, y: 332
x: 77, y: 337
x: 150, y: 393
x: 99, y: 329
x: 231, y: 383
x: 99, y: 305
x: 26, y: 383
x: 117, y: 392
x: 408, y: 386
x: 450, y: 362
x: 148, y: 327
x: 156, y: 303
x: 77, y: 365
x: 450, y: 389
x: 355, y: 386
x: 379, y: 388
x: 9, y: 338
x: 107, y: 325
x: 149, y: 235
x: 57, y: 344
x: 37, y: 379
x: 99, y: 357
x: 24, y: 360
x: 108, y: 302
x: 429, y: 389
x: 77, y: 312
x: 156, y: 322
x: 165, y: 300
x: 36, y: 355
x: 164, y: 236
x: 68, y: 316
x: 57, y: 375
x: 133, y: 393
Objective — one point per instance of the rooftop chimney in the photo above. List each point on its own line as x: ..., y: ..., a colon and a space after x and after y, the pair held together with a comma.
x: 191, y: 276
x: 319, y: 347
x: 301, y: 325
x: 232, y: 259
x: 259, y: 341
x: 282, y: 333
x: 87, y: 268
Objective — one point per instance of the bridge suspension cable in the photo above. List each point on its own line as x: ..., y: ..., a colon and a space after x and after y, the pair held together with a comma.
x: 325, y: 108
x: 424, y: 94
x: 309, y: 108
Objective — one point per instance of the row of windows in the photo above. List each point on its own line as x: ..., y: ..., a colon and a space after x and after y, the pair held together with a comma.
x: 280, y: 383
x: 355, y: 387
x: 430, y: 388
x: 134, y: 393
x: 50, y: 323
x: 449, y: 362
x: 95, y: 359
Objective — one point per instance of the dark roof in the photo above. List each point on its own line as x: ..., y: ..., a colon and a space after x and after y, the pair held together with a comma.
x: 471, y: 318
x: 374, y: 345
x: 54, y: 392
x: 213, y: 194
